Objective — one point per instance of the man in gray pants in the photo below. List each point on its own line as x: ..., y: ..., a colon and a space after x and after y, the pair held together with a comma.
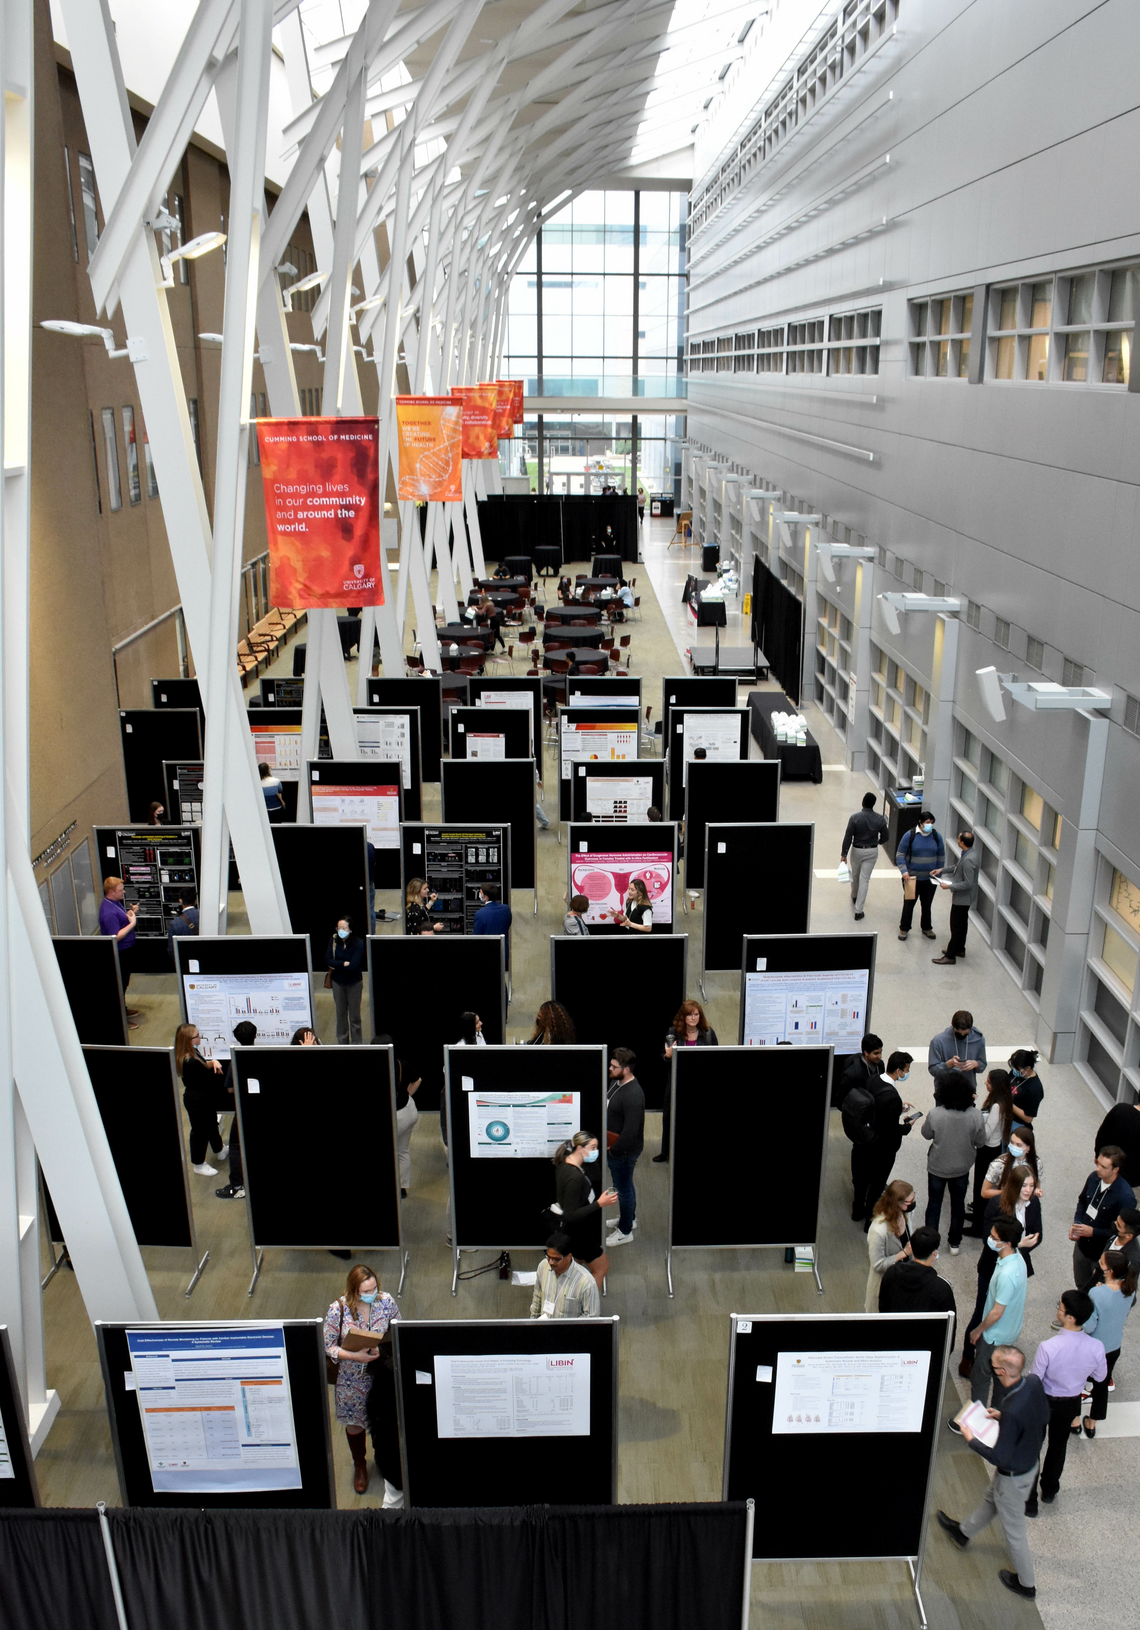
x: 866, y: 833
x: 1024, y: 1415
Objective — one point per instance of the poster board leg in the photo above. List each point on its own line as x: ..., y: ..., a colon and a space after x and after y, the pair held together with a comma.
x: 198, y: 1271
x: 112, y: 1566
x: 915, y: 1577
x: 749, y: 1525
x: 403, y: 1272
x: 815, y: 1268
x: 57, y: 1263
x: 536, y: 891
x: 701, y: 983
x: 455, y: 1274
x: 669, y: 1268
x: 257, y: 1255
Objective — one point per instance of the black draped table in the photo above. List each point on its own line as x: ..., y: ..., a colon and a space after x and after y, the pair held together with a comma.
x: 796, y: 763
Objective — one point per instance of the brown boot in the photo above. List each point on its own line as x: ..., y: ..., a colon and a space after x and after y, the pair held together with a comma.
x: 358, y: 1448
x: 966, y: 1367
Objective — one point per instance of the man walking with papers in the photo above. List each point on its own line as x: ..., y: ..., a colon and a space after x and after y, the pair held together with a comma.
x: 1023, y: 1417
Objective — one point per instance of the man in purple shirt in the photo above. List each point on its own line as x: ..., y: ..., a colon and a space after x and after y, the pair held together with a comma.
x: 119, y: 923
x: 1063, y: 1365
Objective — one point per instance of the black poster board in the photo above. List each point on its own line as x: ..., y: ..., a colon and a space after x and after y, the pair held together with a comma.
x: 784, y: 1471
x: 214, y: 970
x: 305, y: 1356
x: 601, y: 860
x: 713, y: 722
x: 575, y: 728
x: 184, y: 785
x: 778, y: 628
x: 684, y: 690
x: 623, y: 992
x: 514, y: 725
x: 284, y: 691
x: 773, y: 1098
x: 597, y: 690
x: 758, y: 879
x: 150, y: 735
x: 747, y: 791
x: 324, y: 876
x: 344, y: 774
x: 168, y: 693
x: 767, y: 956
x: 18, y: 1488
x: 277, y: 1089
x: 588, y: 794
x: 498, y: 1202
x: 528, y: 692
x: 498, y: 1470
x: 373, y: 722
x: 427, y: 695
x: 157, y: 864
x: 503, y: 791
x: 137, y: 1093
x: 457, y: 861
x: 89, y: 964
x: 420, y: 986
x: 514, y: 528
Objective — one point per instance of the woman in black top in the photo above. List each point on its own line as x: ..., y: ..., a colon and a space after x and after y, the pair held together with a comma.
x: 201, y: 1090
x: 418, y: 901
x: 345, y: 960
x: 638, y: 912
x: 690, y: 1028
x: 575, y: 1205
x: 1025, y: 1084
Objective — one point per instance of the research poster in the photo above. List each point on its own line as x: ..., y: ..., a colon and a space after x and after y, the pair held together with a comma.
x: 825, y: 1009
x: 619, y: 698
x: 188, y: 781
x: 617, y: 800
x: 717, y: 733
x: 321, y: 483
x: 604, y: 879
x: 598, y: 740
x: 377, y: 808
x: 521, y: 1125
x: 157, y: 868
x: 512, y: 1395
x: 820, y: 1393
x: 387, y: 736
x: 279, y: 746
x: 6, y: 1467
x: 485, y: 744
x: 278, y: 1004
x: 216, y: 1411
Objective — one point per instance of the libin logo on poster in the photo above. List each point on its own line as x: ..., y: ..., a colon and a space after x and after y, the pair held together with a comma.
x: 321, y: 485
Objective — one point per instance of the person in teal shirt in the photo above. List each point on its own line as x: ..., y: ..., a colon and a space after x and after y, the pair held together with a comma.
x: 1004, y: 1311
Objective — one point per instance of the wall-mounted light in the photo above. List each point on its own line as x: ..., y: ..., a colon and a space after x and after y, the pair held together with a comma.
x: 829, y: 552
x: 313, y: 280
x: 134, y: 349
x: 892, y: 604
x: 315, y: 349
x: 1039, y: 696
x: 194, y: 250
x: 367, y: 305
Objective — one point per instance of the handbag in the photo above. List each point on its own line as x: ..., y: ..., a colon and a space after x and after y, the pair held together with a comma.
x: 332, y: 1365
x: 328, y: 980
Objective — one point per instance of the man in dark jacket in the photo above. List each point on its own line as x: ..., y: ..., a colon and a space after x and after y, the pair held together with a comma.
x: 1100, y: 1202
x: 872, y: 1159
x: 625, y: 1116
x: 915, y: 1286
x: 1121, y: 1126
x: 862, y: 1071
x: 866, y: 833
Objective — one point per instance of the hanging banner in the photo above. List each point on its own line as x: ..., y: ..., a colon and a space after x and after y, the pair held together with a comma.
x: 321, y: 480
x: 516, y: 401
x: 504, y: 409
x: 478, y: 401
x: 430, y: 430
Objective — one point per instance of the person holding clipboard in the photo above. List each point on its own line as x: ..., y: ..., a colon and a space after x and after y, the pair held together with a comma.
x: 363, y: 1311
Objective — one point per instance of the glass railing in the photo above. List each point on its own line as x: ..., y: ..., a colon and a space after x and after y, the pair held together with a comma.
x: 660, y: 386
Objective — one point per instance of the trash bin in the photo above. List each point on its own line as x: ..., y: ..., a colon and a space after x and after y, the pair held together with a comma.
x: 710, y: 557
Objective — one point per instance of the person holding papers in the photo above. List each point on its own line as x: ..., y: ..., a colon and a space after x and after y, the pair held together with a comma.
x: 562, y: 1288
x: 1024, y: 1415
x: 363, y: 1308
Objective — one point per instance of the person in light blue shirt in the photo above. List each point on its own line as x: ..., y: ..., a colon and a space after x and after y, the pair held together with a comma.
x: 1004, y: 1311
x: 1112, y: 1303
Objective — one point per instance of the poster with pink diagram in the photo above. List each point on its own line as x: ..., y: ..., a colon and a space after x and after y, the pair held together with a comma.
x: 604, y: 880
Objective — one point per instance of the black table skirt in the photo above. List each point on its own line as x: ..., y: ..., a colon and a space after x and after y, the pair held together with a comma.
x: 797, y: 763
x: 579, y: 636
x: 583, y: 657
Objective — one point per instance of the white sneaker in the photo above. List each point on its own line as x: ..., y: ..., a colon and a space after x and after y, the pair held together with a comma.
x: 618, y: 1238
x: 206, y: 1171
x: 955, y: 1249
x: 613, y: 1222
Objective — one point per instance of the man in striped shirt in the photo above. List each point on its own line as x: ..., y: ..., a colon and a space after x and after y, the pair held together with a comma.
x: 563, y: 1289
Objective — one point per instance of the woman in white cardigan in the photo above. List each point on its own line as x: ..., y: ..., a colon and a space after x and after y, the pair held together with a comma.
x: 888, y: 1238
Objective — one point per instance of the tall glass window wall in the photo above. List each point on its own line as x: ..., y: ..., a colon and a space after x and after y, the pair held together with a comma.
x: 597, y: 303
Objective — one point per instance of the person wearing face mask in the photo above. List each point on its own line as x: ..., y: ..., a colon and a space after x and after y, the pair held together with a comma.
x: 888, y: 1239
x: 872, y: 1119
x: 1025, y: 1085
x: 962, y: 882
x: 1021, y: 1150
x: 959, y: 1047
x: 915, y: 1285
x: 920, y: 858
x: 366, y: 1309
x: 578, y: 1204
x: 563, y: 1289
x: 1098, y: 1205
x: 345, y: 960
x: 1002, y: 1313
x: 1127, y: 1241
x: 1017, y: 1198
x: 997, y: 1120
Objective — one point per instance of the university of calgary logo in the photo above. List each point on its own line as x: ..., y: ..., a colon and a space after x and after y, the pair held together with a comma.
x: 358, y: 569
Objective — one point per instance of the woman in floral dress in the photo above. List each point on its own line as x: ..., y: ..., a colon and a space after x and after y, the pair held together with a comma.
x: 362, y: 1307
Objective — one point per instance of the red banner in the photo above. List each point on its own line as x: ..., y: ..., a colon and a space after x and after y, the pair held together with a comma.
x: 479, y: 440
x: 429, y: 431
x: 517, y: 401
x: 321, y: 479
x: 504, y: 403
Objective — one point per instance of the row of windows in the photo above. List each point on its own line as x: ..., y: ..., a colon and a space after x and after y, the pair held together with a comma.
x: 111, y: 460
x: 1072, y: 328
x: 845, y: 343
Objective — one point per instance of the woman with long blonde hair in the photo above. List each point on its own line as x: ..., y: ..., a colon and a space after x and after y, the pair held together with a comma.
x: 888, y: 1227
x: 201, y: 1094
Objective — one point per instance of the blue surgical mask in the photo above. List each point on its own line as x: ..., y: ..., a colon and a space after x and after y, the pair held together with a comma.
x: 369, y: 1296
x: 928, y: 827
x: 342, y: 933
x: 993, y: 1245
x: 590, y: 1157
x: 905, y: 1076
x: 1016, y: 1152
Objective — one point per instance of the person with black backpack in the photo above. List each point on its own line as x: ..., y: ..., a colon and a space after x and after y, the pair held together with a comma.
x: 920, y: 857
x: 864, y: 1068
x: 873, y: 1120
x: 858, y: 1077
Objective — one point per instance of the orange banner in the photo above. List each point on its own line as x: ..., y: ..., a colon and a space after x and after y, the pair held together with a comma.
x: 321, y: 480
x: 517, y: 401
x: 504, y: 403
x: 478, y: 401
x: 429, y: 430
